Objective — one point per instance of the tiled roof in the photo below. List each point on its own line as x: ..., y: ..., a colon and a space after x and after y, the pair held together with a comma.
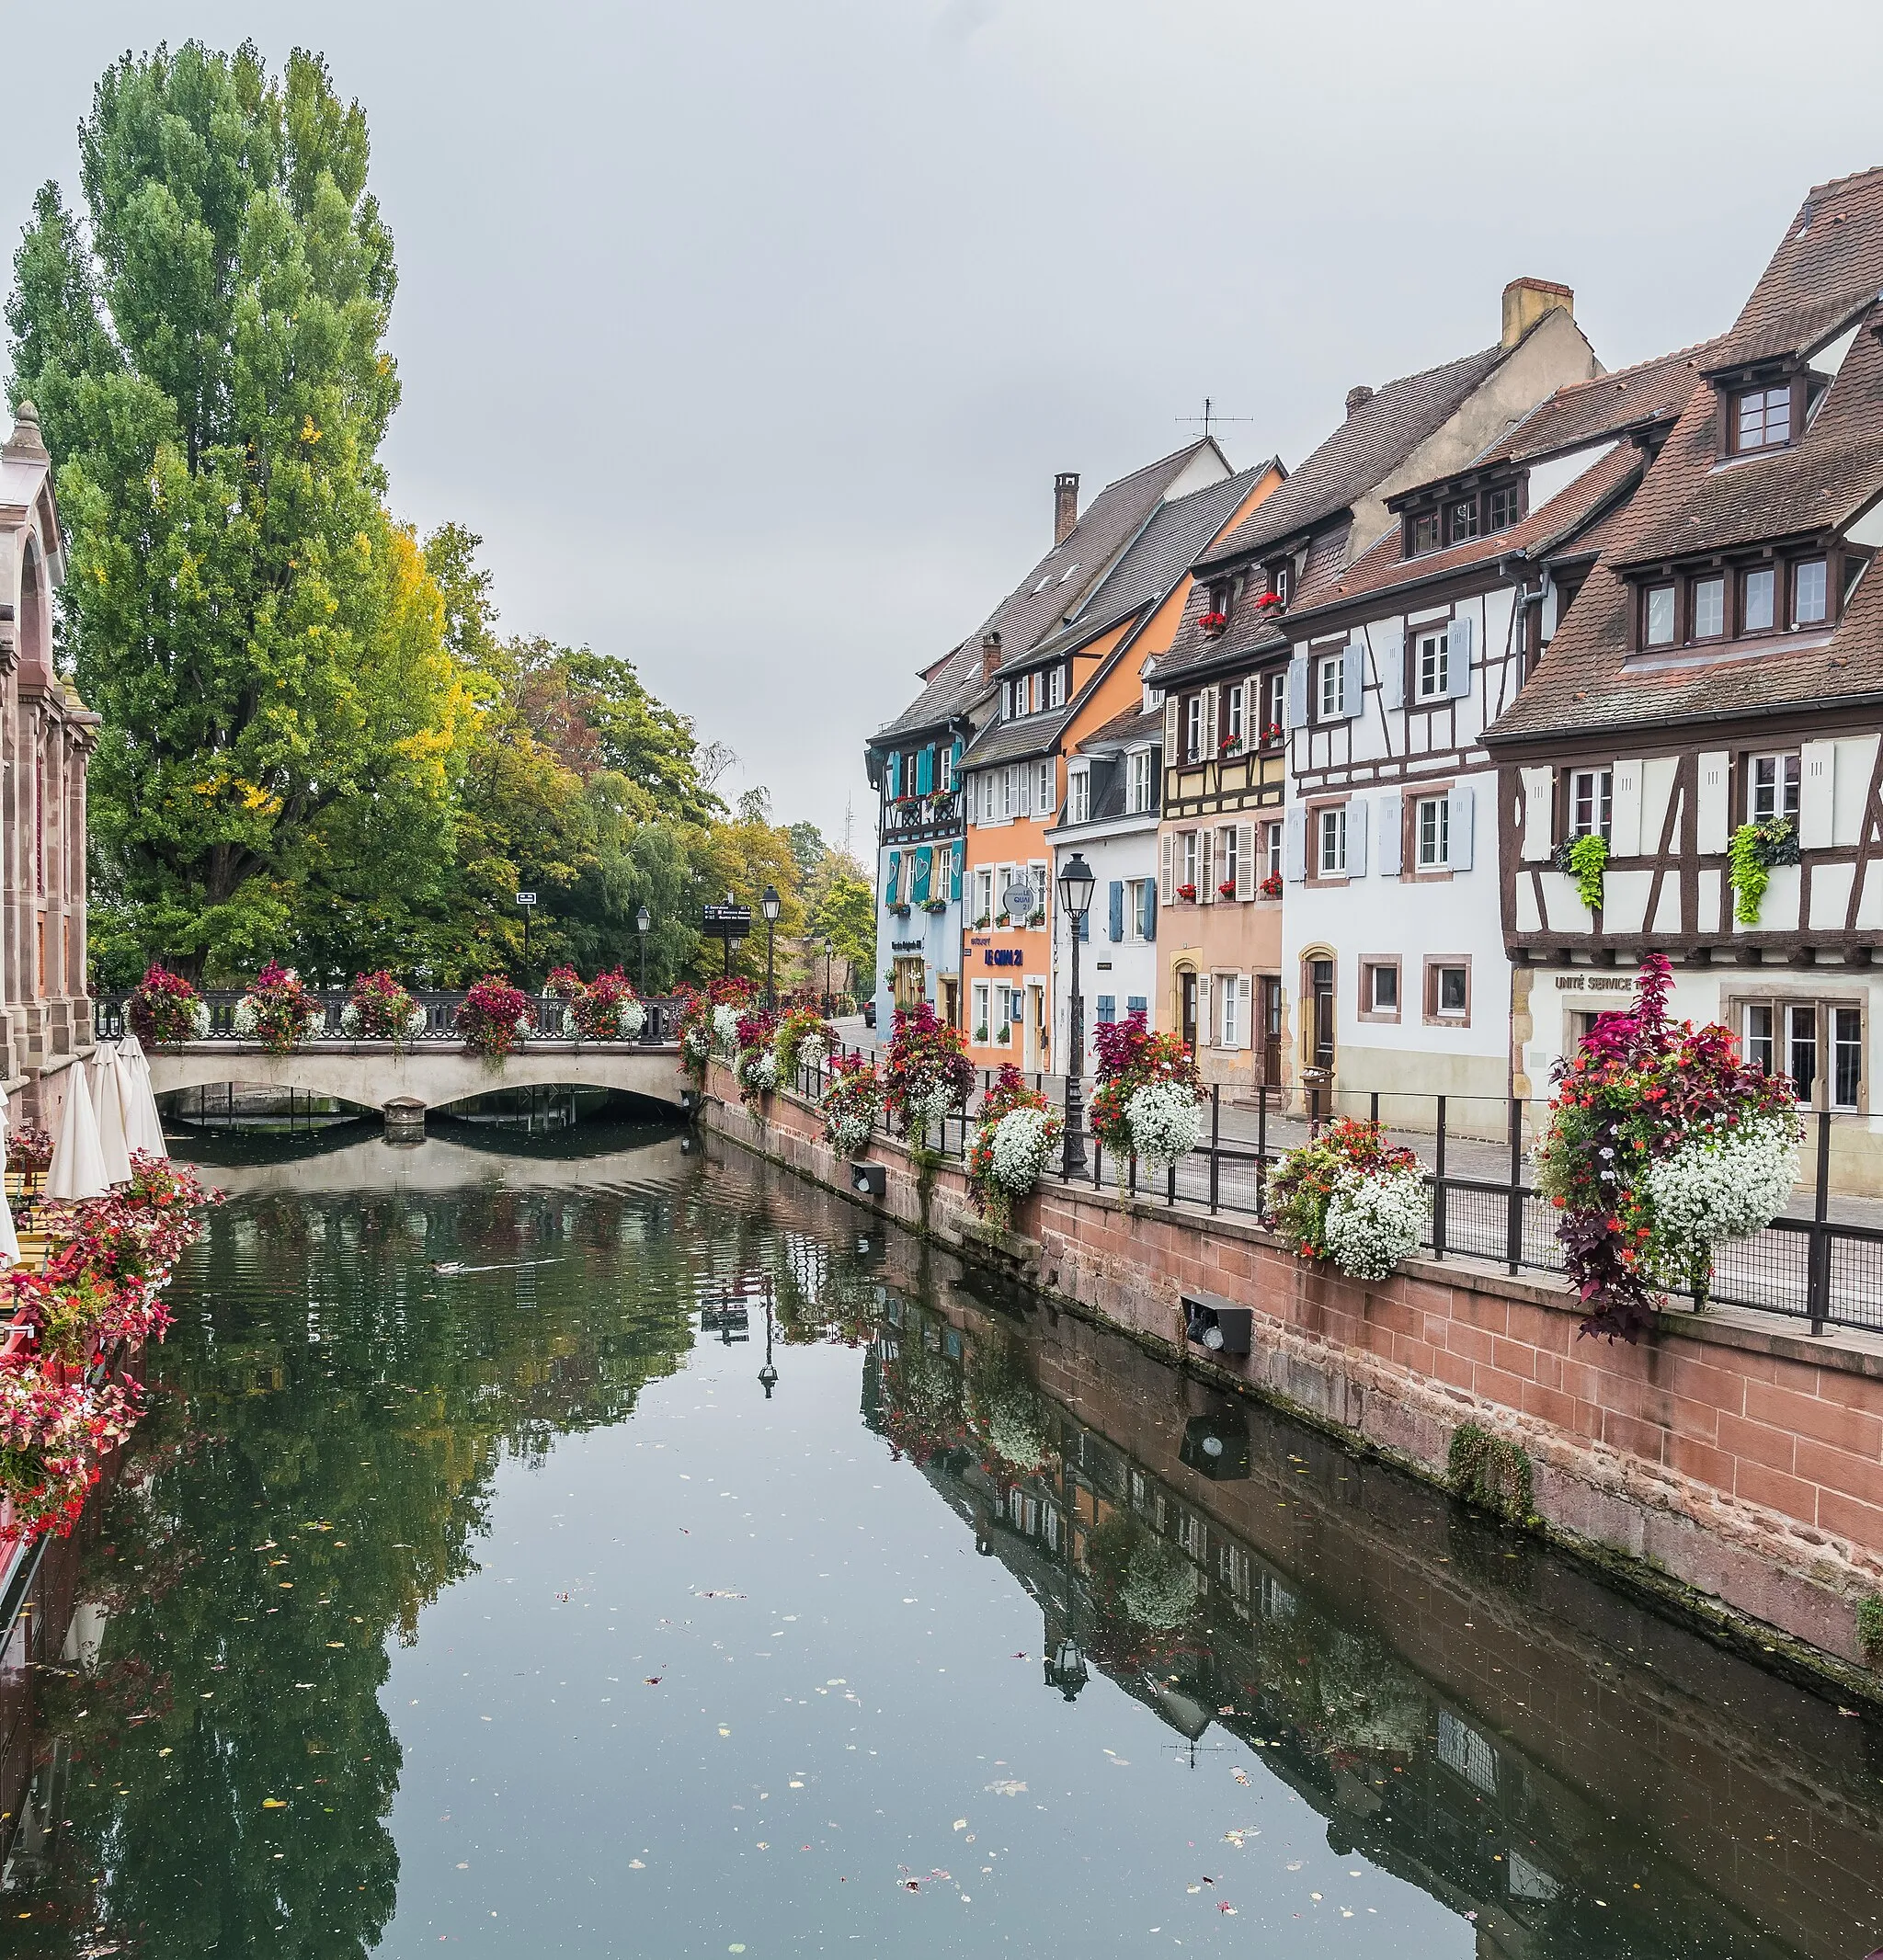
x: 1057, y: 585
x: 1162, y: 553
x: 1359, y: 455
x: 1015, y: 741
x: 1128, y: 730
x: 1598, y: 410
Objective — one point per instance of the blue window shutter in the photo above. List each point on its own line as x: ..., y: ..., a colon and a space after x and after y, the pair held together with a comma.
x: 1458, y: 660
x: 922, y: 873
x: 1459, y: 826
x: 1298, y: 691
x: 925, y: 772
x: 1149, y: 926
x: 889, y: 883
x: 1294, y: 845
x: 957, y: 853
x: 895, y: 777
x: 1138, y: 1004
x: 1391, y: 852
x: 1352, y: 681
x: 1116, y: 895
x: 1356, y: 838
x: 1108, y: 1009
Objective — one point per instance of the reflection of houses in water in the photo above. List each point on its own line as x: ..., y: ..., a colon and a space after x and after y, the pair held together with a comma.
x: 1421, y: 1786
x: 725, y: 1305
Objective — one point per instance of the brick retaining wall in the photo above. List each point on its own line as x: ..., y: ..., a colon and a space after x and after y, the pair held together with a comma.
x: 1728, y: 1453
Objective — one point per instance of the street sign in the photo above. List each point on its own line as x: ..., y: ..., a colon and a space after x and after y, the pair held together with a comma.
x: 1020, y: 898
x: 526, y: 898
x: 726, y: 922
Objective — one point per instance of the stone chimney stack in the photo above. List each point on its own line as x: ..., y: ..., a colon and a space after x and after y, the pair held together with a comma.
x: 990, y: 651
x: 1064, y: 505
x: 1526, y: 302
x: 1358, y: 397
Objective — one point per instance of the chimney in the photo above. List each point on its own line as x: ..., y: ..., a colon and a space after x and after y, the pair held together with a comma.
x: 1526, y: 302
x: 1064, y: 505
x: 1358, y: 397
x: 990, y: 650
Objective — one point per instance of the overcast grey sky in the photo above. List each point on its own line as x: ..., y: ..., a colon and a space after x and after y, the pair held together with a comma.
x: 750, y: 335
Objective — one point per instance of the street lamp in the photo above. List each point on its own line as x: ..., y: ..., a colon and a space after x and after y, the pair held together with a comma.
x: 768, y: 904
x: 643, y: 920
x: 828, y: 950
x: 1076, y: 884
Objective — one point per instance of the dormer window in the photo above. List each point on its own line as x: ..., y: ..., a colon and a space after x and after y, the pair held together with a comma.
x: 1762, y: 419
x: 1709, y: 608
x: 1657, y: 616
x: 1810, y: 593
x: 1056, y: 687
x: 1278, y: 585
x: 1461, y: 520
x: 1425, y: 532
x: 1757, y: 611
x: 1503, y: 507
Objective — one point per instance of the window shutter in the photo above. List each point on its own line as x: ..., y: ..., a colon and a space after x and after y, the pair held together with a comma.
x: 1352, y: 680
x: 1245, y: 1025
x: 1206, y: 877
x: 1392, y: 810
x: 954, y: 764
x: 1108, y: 1009
x: 1294, y: 845
x: 1356, y: 838
x: 1458, y: 660
x: 1298, y: 691
x: 890, y: 882
x: 1166, y: 880
x: 925, y: 772
x: 1172, y: 709
x: 1211, y: 696
x: 1458, y: 819
x: 1148, y: 923
x: 923, y: 874
x: 1205, y: 1022
x: 1116, y: 895
x: 1245, y: 860
x: 895, y: 777
x: 1539, y: 813
x: 958, y: 853
x: 1137, y: 1004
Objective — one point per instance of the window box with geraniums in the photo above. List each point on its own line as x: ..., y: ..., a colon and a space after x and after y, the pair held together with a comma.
x: 1662, y: 1144
x: 1013, y: 1142
x: 1230, y: 746
x: 1004, y: 1034
x: 277, y: 1011
x: 492, y: 1019
x: 937, y: 906
x: 1755, y: 848
x: 1272, y: 734
x: 165, y: 1011
x: 850, y: 1104
x: 1214, y: 623
x: 927, y: 1075
x: 380, y: 1009
x: 1352, y: 1197
x: 1271, y: 886
x: 1148, y: 1098
x: 1268, y: 602
x: 1187, y: 893
x: 1226, y: 889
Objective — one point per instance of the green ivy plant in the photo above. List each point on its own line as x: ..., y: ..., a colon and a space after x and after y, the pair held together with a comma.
x: 1870, y: 1628
x: 1588, y: 861
x: 1755, y: 848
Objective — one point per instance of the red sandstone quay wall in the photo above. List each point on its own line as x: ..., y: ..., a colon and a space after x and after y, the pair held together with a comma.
x: 1729, y: 1452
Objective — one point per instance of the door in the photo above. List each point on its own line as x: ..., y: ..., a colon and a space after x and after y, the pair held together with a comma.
x: 1271, y: 1027
x: 950, y: 1001
x: 908, y: 982
x: 1033, y: 1037
x: 1321, y: 981
x: 1186, y: 982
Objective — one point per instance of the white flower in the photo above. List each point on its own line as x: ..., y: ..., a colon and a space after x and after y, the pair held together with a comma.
x: 725, y: 1031
x: 1159, y: 1588
x: 568, y: 1024
x: 634, y: 1019
x: 349, y: 1020
x: 926, y: 1112
x: 1714, y: 1189
x: 758, y: 1068
x: 202, y: 1022
x: 1165, y: 1121
x: 414, y: 1022
x: 523, y: 1024
x: 247, y: 1018
x: 812, y: 1051
x: 1022, y: 1141
x: 1375, y: 1219
x: 848, y: 1130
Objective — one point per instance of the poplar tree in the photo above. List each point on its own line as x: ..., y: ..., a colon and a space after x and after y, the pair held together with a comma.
x: 283, y: 720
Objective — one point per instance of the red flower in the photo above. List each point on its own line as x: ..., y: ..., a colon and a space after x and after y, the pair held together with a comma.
x: 1213, y: 622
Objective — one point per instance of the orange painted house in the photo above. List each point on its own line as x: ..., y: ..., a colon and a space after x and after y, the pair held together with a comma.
x: 1080, y: 673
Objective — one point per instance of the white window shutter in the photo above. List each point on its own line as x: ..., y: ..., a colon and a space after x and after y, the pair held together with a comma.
x: 1245, y: 860
x: 1389, y: 656
x: 1458, y: 659
x: 1391, y: 836
x: 1816, y: 794
x: 1356, y: 838
x: 1167, y: 883
x: 1171, y: 710
x: 1210, y: 696
x: 1298, y: 691
x: 1539, y: 813
x: 1205, y: 1022
x: 1294, y: 845
x: 1206, y: 877
x: 1458, y: 820
x: 1246, y: 1024
x: 1352, y: 680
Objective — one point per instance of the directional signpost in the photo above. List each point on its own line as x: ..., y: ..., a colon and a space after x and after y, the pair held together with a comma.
x: 527, y: 900
x: 725, y: 923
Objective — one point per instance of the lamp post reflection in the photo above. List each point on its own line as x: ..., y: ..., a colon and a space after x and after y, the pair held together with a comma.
x: 768, y: 1374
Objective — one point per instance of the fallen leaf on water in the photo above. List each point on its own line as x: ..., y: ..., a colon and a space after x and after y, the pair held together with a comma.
x: 724, y: 1730
x: 961, y: 1824
x: 274, y: 1803
x: 1006, y: 1786
x: 1241, y: 1776
x: 653, y: 1680
x: 635, y: 1864
x: 1224, y: 1906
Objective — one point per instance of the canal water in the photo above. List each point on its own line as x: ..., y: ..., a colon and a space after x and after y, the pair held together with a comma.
x: 467, y: 1588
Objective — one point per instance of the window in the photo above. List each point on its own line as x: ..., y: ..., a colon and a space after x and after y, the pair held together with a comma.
x: 1709, y: 608
x: 1846, y: 1057
x: 1333, y: 686
x: 1046, y: 790
x: 1008, y: 710
x: 984, y: 896
x: 1425, y: 536
x: 1657, y: 624
x: 1134, y: 890
x: 1193, y: 744
x: 1039, y: 876
x: 1187, y: 857
x: 1137, y: 780
x: 1591, y: 802
x: 1433, y: 818
x: 1434, y: 665
x: 1819, y: 1044
x: 1232, y: 714
x: 1278, y: 703
x: 1761, y: 418
x: 1056, y: 687
x: 1808, y: 592
x: 1228, y: 857
x: 1504, y: 507
x: 1229, y: 1014
x: 1281, y: 582
x: 1756, y: 593
x: 1758, y: 1042
x: 1079, y: 796
x: 1379, y: 990
x: 983, y: 997
x: 1772, y: 788
x: 1448, y: 990
x: 1461, y: 523
x: 1272, y: 848
x: 1801, y: 1045
x: 1332, y: 828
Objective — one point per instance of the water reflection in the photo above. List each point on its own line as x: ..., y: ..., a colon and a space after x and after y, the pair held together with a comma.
x: 224, y: 1740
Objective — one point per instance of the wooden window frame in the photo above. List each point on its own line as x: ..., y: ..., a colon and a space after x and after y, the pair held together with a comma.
x: 1749, y: 785
x: 1410, y: 854
x: 1415, y: 520
x: 1454, y: 508
x: 1313, y: 874
x: 1826, y: 1004
x: 1772, y: 569
x: 1317, y: 660
x: 1435, y: 962
x: 1566, y: 814
x: 1781, y: 384
x: 1414, y: 693
x: 1689, y: 607
x: 1371, y: 963
x: 1516, y: 493
x: 1644, y: 600
x: 1827, y: 616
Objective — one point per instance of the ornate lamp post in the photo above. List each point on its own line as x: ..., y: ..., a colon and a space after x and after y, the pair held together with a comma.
x: 768, y: 904
x: 643, y: 920
x: 828, y: 949
x: 1076, y: 884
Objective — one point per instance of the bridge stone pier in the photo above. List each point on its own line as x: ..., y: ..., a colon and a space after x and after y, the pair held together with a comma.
x: 404, y: 1084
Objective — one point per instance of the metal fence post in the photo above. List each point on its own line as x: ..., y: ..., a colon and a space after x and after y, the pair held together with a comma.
x: 1216, y: 1140
x: 1438, y: 1188
x: 1514, y: 1248
x: 1261, y: 1149
x: 1820, y: 1273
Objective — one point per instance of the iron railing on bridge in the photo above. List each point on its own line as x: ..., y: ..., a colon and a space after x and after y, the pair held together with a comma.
x: 1820, y: 1261
x: 661, y: 1027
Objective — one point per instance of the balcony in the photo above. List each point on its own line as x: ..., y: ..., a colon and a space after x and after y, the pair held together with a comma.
x: 923, y: 817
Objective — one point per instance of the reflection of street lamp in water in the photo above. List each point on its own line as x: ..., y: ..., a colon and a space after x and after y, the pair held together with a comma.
x: 768, y: 1374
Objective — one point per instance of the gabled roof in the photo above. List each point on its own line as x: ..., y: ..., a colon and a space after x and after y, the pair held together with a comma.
x: 1130, y: 730
x: 1613, y: 405
x: 1057, y: 585
x: 1692, y: 504
x: 1015, y: 741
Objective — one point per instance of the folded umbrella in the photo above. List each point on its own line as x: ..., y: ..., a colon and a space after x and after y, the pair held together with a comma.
x: 78, y: 1164
x: 144, y: 1129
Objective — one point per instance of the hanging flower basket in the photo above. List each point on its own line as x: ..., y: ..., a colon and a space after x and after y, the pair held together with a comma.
x: 494, y: 1018
x: 165, y: 1011
x: 277, y: 1011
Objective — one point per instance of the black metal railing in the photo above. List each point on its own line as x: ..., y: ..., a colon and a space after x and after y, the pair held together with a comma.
x: 660, y: 1027
x: 1820, y: 1261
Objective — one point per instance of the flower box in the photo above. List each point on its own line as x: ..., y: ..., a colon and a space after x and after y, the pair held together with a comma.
x: 1268, y: 601
x: 937, y: 905
x: 1272, y: 885
x: 1187, y: 893
x: 1213, y: 622
x: 1226, y: 889
x: 899, y: 911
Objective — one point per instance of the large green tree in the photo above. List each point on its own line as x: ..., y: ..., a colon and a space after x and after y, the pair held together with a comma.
x: 284, y: 725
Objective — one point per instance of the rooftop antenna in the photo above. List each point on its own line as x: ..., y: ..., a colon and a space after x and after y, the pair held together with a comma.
x: 1209, y: 419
